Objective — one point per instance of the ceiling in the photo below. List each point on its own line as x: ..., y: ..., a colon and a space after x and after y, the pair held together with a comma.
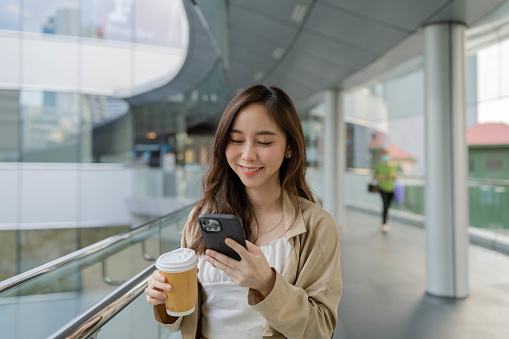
x: 302, y: 46
x: 335, y: 44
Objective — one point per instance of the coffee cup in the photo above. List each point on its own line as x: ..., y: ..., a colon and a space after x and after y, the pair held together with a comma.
x: 179, y: 268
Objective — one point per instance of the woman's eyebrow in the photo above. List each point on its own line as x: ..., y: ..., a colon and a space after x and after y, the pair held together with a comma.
x: 257, y: 133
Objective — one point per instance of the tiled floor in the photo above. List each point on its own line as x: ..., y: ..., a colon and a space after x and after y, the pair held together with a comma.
x: 384, y: 288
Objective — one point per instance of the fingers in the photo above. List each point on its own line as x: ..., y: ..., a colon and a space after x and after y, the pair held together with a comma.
x: 252, y: 248
x: 158, y: 276
x: 154, y: 291
x: 236, y: 247
x: 154, y: 298
x: 158, y: 281
x: 216, y: 263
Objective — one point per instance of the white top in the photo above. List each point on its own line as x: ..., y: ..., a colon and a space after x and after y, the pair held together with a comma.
x: 225, y: 311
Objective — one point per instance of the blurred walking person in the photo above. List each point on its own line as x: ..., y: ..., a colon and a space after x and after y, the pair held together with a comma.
x: 385, y: 173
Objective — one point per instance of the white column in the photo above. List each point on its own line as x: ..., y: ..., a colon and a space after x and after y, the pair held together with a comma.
x: 446, y: 191
x: 334, y: 157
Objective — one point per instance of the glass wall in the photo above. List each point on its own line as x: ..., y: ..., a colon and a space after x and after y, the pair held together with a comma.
x: 50, y: 17
x: 9, y: 126
x: 49, y: 127
x: 391, y: 114
x: 9, y: 15
x: 65, y: 131
x: 312, y: 120
x: 149, y: 21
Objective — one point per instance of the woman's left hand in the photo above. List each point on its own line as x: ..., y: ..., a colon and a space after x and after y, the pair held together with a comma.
x: 251, y: 271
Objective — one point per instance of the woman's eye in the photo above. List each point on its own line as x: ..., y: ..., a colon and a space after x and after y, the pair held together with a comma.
x: 235, y: 141
x: 265, y: 143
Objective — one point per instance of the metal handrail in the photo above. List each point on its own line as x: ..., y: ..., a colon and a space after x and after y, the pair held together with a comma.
x: 91, y: 321
x: 497, y: 182
x: 82, y: 253
x: 488, y: 181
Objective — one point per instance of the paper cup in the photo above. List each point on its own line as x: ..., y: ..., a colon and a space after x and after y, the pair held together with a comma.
x: 179, y: 268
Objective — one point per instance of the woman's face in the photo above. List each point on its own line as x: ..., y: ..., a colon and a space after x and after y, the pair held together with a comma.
x: 256, y: 148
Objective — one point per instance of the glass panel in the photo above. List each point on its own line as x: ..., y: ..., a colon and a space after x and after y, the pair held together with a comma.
x: 486, y: 208
x: 8, y: 253
x: 106, y: 130
x: 141, y: 322
x: 161, y: 23
x: 38, y: 247
x: 9, y: 126
x: 50, y: 125
x: 313, y: 125
x: 488, y: 70
x: 471, y: 80
x: 54, y: 298
x: 486, y: 200
x: 493, y: 165
x: 10, y: 12
x: 107, y: 19
x: 171, y: 231
x: 51, y: 17
x: 504, y: 68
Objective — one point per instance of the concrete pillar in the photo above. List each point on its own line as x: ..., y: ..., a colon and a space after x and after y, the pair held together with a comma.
x: 446, y: 191
x: 334, y: 157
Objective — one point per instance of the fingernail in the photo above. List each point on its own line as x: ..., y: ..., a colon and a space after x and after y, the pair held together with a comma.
x: 161, y: 279
x: 227, y: 240
x: 168, y: 287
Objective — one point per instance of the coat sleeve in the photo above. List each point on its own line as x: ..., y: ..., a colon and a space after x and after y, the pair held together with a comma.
x: 307, y: 309
x: 160, y: 314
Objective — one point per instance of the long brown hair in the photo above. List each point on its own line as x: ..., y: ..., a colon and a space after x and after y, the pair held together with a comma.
x: 223, y: 191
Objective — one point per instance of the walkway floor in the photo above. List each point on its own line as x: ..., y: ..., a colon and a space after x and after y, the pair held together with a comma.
x: 384, y: 288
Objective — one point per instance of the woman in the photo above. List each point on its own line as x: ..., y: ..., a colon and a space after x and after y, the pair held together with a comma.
x: 288, y: 281
x: 385, y: 173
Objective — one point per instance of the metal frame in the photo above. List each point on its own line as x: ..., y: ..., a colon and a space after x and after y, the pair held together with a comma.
x: 82, y: 253
x: 90, y: 322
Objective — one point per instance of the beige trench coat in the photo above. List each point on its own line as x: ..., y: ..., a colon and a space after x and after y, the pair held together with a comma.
x: 305, y: 297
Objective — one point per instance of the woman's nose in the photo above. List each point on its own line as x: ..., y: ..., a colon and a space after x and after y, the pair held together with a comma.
x: 248, y: 153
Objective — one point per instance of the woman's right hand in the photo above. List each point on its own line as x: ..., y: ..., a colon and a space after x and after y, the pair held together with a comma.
x: 156, y: 285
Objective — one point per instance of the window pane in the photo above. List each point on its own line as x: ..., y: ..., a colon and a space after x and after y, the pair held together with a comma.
x: 51, y: 17
x: 504, y: 74
x: 9, y: 129
x: 107, y: 19
x: 106, y: 133
x: 8, y: 254
x: 488, y: 70
x: 10, y: 12
x: 50, y: 127
x: 161, y: 23
x: 493, y: 165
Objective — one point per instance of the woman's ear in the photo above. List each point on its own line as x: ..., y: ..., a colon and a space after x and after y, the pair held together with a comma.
x: 288, y: 153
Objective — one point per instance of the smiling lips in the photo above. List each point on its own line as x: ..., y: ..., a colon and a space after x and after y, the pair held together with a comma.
x: 250, y: 171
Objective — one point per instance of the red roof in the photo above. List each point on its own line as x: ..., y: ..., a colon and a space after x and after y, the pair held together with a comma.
x: 488, y: 134
x: 378, y: 141
x: 395, y: 151
x: 398, y: 153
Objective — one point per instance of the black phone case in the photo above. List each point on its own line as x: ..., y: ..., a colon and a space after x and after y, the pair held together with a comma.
x: 231, y: 227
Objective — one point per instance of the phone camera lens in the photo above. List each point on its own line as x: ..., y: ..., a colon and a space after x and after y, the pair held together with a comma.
x: 205, y: 222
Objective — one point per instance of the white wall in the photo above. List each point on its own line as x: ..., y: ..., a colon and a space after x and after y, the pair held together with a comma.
x: 45, y: 62
x: 51, y: 195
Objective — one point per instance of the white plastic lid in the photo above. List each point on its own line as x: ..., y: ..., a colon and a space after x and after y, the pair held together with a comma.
x: 179, y: 260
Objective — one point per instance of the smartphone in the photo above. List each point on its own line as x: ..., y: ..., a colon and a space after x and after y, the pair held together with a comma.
x: 215, y: 228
